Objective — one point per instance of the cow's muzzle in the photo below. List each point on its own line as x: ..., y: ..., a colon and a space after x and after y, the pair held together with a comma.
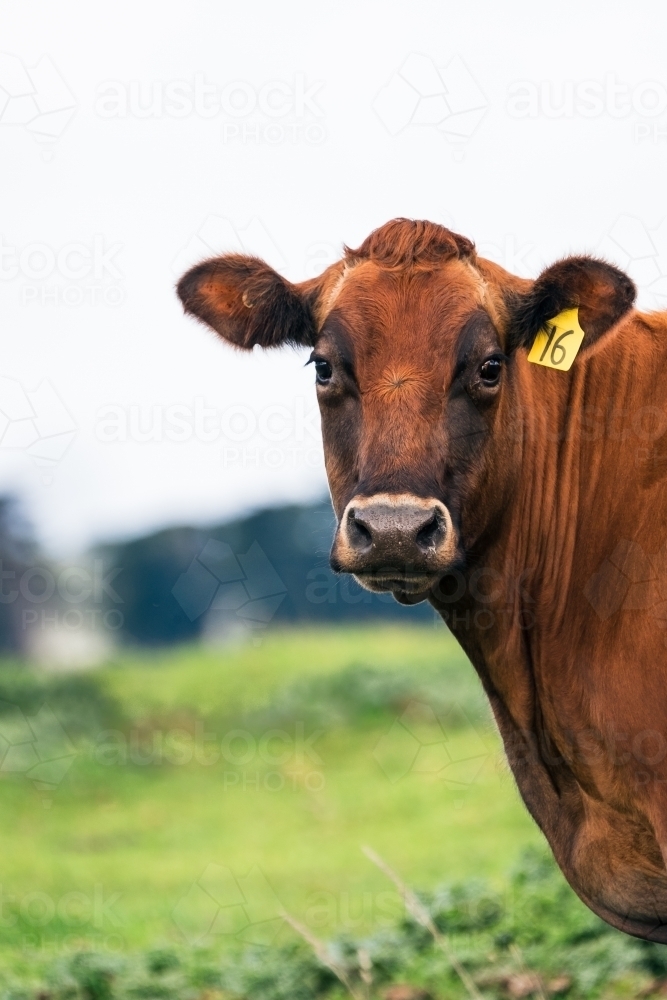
x: 396, y: 542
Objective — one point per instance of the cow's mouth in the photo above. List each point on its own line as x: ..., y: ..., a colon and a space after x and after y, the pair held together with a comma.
x: 398, y: 583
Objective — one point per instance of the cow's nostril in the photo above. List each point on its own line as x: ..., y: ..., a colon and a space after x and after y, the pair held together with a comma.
x: 358, y: 534
x: 429, y: 534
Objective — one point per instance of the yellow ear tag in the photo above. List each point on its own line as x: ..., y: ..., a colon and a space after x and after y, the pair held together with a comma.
x: 557, y: 343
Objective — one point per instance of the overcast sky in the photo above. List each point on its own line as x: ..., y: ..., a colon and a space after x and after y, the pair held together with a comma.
x: 137, y: 138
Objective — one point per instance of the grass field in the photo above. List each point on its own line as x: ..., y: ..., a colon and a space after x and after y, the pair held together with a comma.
x: 182, y: 800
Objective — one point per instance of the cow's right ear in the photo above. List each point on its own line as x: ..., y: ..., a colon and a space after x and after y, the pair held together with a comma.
x: 248, y: 303
x: 601, y: 292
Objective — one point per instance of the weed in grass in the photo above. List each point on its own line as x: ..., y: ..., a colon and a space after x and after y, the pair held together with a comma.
x: 530, y: 938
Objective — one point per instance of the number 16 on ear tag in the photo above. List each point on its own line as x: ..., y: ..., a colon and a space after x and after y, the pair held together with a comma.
x: 557, y: 343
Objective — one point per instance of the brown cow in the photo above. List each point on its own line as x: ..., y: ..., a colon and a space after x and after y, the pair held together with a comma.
x: 526, y: 504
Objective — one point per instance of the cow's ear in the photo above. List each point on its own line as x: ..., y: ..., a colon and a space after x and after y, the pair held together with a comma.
x: 248, y: 303
x: 601, y: 292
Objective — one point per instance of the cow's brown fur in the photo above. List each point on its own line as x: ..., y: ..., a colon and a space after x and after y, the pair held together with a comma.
x: 556, y: 486
x: 402, y: 243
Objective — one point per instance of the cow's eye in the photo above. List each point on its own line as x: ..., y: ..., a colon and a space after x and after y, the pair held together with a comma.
x: 323, y: 371
x: 490, y: 371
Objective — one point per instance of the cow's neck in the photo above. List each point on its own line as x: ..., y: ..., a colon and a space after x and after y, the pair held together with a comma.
x: 579, y: 459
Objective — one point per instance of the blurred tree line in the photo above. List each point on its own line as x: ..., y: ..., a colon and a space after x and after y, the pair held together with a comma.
x: 271, y: 566
x: 183, y: 583
x: 18, y: 552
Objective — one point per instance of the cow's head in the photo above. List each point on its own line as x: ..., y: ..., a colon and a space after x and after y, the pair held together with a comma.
x: 414, y: 342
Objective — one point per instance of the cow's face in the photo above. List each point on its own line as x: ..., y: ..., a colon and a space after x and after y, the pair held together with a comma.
x: 409, y: 372
x: 414, y: 342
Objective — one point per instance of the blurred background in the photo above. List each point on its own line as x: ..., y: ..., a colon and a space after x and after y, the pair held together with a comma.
x: 200, y: 726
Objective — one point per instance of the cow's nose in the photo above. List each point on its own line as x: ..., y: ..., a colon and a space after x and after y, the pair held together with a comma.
x: 401, y: 530
x: 389, y: 538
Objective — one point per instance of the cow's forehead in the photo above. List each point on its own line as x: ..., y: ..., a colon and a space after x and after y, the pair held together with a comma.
x: 401, y: 312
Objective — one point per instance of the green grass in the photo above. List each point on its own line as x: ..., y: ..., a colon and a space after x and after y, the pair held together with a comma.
x: 131, y: 817
x: 236, y: 679
x: 231, y: 784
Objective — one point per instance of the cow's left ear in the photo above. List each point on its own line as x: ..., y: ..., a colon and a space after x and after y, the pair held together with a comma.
x: 601, y: 292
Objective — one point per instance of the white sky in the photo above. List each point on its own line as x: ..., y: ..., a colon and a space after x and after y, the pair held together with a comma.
x: 333, y: 148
